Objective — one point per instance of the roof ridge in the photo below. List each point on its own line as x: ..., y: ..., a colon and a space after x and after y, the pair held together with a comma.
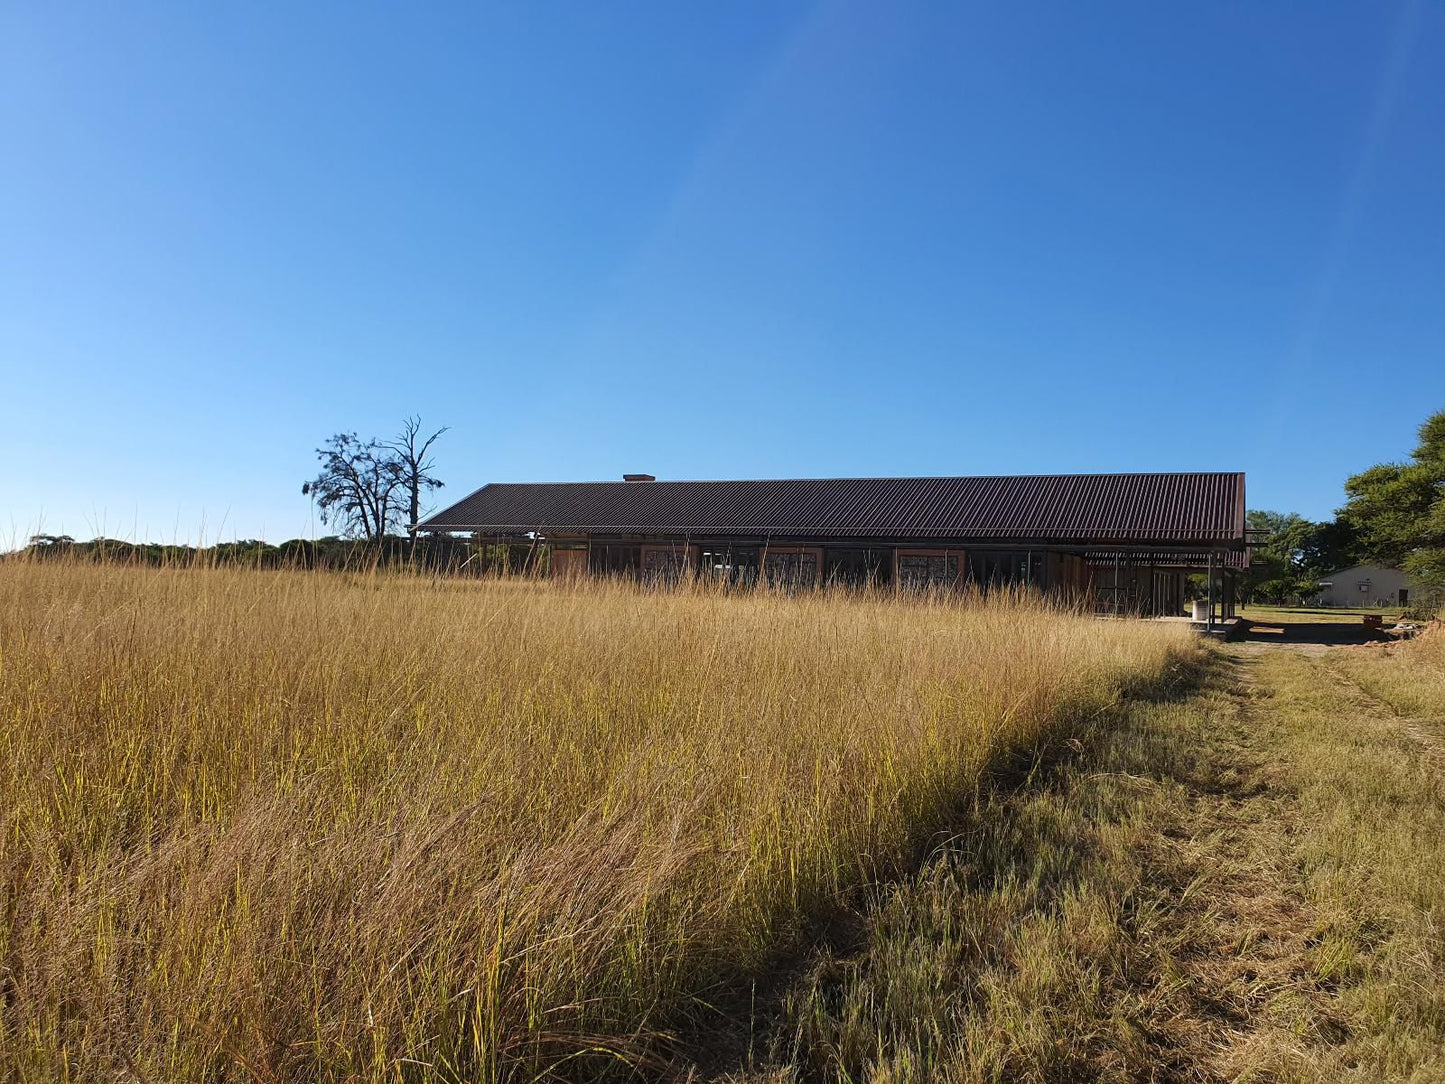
x: 885, y: 478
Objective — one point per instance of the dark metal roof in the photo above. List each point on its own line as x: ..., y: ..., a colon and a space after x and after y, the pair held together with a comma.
x: 1069, y: 508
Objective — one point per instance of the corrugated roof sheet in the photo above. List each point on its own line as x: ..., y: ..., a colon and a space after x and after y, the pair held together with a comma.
x: 1066, y: 508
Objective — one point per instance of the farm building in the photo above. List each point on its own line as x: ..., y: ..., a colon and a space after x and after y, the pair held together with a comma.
x: 1365, y: 585
x: 1129, y: 541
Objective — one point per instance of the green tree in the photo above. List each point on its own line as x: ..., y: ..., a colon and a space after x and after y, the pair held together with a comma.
x: 1295, y: 551
x: 1328, y: 546
x: 1397, y: 510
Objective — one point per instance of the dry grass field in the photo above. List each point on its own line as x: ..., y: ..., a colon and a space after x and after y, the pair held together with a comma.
x: 295, y: 827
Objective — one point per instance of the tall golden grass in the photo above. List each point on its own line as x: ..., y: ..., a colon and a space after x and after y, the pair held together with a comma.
x: 287, y: 826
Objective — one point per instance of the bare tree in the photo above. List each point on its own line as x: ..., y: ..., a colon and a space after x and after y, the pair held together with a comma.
x: 411, y: 454
x: 359, y: 488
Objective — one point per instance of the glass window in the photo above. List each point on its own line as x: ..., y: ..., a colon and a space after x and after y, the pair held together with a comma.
x: 663, y: 565
x: 919, y: 570
x: 735, y: 564
x: 791, y: 569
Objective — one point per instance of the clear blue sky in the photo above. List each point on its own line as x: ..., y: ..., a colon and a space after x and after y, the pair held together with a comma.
x: 726, y: 240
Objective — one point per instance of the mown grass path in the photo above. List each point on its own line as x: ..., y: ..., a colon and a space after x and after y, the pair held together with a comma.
x: 1427, y: 733
x: 1245, y: 882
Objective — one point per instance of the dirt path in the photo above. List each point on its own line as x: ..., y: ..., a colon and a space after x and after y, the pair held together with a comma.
x: 1193, y: 895
x: 1319, y: 869
x: 1249, y: 932
x: 1299, y: 900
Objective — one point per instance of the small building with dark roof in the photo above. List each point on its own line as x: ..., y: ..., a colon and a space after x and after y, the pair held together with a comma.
x: 1077, y: 533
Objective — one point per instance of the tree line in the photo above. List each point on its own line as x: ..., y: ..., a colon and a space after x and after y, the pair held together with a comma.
x: 331, y: 552
x: 1393, y: 515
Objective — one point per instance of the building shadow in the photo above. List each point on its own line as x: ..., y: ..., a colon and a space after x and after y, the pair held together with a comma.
x: 1325, y: 633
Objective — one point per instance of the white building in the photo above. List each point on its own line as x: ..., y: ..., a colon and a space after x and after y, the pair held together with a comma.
x: 1365, y: 585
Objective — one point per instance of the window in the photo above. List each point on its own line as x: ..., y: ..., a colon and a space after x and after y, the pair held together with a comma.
x: 922, y: 570
x: 663, y: 565
x: 735, y: 564
x: 791, y: 569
